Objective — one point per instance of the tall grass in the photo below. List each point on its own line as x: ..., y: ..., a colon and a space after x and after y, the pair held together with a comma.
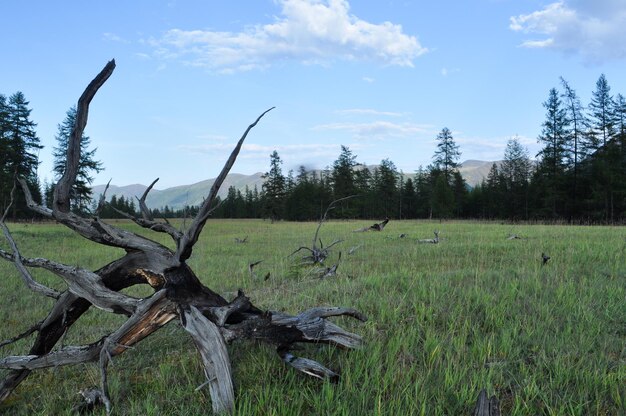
x: 475, y: 311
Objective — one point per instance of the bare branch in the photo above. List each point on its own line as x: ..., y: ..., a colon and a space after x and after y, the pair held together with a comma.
x: 88, y: 285
x: 330, y: 206
x: 191, y: 236
x: 307, y: 366
x: 325, y: 312
x: 23, y: 335
x: 40, y: 209
x: 64, y: 186
x: 102, y: 200
x: 145, y: 212
x: 17, y: 258
x: 160, y: 227
x: 212, y: 349
x: 221, y: 313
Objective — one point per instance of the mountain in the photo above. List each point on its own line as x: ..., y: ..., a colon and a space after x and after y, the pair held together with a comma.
x: 179, y: 196
x: 473, y: 171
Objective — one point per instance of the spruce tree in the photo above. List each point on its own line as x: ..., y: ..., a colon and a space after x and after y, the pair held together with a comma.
x: 274, y: 189
x: 343, y: 182
x: 577, y: 121
x: 516, y: 170
x: 601, y: 115
x: 554, y: 154
x: 447, y: 154
x: 21, y: 150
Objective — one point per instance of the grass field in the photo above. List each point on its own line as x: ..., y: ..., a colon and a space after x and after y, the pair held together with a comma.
x: 475, y: 311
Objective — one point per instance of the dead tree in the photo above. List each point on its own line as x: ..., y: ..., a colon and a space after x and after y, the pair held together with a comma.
x: 379, y: 226
x: 179, y: 295
x: 319, y: 254
x: 431, y: 240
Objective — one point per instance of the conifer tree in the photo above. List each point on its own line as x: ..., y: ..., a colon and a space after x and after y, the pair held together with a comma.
x: 274, y: 189
x: 447, y: 154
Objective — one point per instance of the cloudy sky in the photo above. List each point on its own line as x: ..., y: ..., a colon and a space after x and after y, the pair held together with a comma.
x: 381, y: 77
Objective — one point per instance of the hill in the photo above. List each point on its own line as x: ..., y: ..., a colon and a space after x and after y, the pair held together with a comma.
x: 473, y: 171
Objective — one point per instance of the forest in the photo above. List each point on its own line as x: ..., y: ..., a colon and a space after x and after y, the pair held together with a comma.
x: 579, y: 175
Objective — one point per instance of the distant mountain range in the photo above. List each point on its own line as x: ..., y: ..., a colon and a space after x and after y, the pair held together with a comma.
x: 473, y: 171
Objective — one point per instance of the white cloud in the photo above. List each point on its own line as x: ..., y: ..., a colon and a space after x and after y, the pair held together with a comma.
x: 594, y: 29
x: 368, y: 111
x: 257, y: 151
x: 447, y: 71
x: 379, y: 129
x: 307, y: 31
x: 114, y: 38
x: 368, y: 79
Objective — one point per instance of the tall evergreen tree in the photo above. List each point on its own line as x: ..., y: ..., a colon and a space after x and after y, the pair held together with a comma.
x: 81, y: 191
x: 386, y: 188
x: 343, y: 182
x: 601, y: 115
x: 274, y: 189
x: 602, y: 123
x: 447, y: 154
x: 576, y: 121
x: 515, y: 173
x: 21, y: 147
x: 554, y: 153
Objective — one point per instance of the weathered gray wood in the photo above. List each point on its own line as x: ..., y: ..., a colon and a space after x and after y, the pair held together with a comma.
x: 431, y: 240
x: 208, y: 317
x: 307, y: 366
x: 212, y: 349
x: 191, y: 236
x: 63, y: 187
x: 486, y: 406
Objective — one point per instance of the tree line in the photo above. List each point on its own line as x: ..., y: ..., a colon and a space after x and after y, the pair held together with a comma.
x: 579, y: 175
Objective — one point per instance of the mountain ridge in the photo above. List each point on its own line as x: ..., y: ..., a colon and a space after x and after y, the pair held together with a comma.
x: 176, y: 197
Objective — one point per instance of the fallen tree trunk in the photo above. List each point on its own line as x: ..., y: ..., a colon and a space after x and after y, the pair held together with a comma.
x: 211, y: 320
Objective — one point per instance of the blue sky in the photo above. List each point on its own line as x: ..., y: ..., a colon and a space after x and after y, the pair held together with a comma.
x: 381, y: 77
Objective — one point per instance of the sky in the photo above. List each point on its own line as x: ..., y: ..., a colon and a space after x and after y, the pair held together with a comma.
x: 381, y: 77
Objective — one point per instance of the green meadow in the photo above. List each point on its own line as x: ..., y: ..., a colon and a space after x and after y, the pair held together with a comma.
x: 445, y: 321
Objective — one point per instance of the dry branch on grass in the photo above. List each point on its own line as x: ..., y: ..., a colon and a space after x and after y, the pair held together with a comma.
x: 210, y: 320
x: 319, y: 254
x: 379, y: 226
x: 431, y: 240
x: 486, y: 406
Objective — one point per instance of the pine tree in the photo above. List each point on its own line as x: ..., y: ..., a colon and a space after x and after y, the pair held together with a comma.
x: 516, y: 170
x: 81, y: 191
x: 274, y: 189
x: 554, y: 154
x: 447, y: 154
x: 21, y: 150
x: 343, y: 182
x: 602, y: 123
x: 576, y: 119
x: 386, y: 188
x: 601, y: 115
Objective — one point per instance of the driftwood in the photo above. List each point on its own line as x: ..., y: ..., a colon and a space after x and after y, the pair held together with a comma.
x: 179, y: 296
x: 379, y: 226
x: 431, y: 240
